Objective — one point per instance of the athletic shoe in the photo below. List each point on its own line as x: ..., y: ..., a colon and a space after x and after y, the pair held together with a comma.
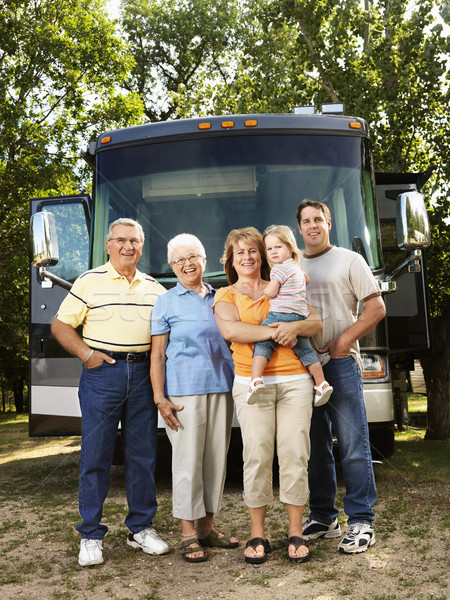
x: 360, y: 536
x: 148, y: 541
x: 315, y: 529
x: 90, y: 552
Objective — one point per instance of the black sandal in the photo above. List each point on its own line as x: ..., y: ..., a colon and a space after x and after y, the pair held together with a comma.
x: 254, y: 543
x: 297, y: 541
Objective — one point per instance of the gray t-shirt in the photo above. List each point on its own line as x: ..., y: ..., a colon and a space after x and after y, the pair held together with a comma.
x: 340, y: 279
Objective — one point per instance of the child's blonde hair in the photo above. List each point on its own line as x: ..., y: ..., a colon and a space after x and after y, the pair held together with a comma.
x: 285, y: 234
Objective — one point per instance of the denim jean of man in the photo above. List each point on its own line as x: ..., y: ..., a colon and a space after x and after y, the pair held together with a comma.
x: 108, y: 394
x: 302, y: 348
x: 345, y: 411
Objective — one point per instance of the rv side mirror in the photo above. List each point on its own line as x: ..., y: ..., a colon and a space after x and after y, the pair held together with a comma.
x: 413, y: 228
x: 44, y: 241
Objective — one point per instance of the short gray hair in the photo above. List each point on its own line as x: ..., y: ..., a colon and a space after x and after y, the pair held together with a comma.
x: 184, y: 239
x: 124, y: 221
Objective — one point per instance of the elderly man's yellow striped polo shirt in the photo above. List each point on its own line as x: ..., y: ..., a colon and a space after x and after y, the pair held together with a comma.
x: 115, y: 313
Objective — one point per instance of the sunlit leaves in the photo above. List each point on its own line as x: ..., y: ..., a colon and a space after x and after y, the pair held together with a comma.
x: 177, y: 45
x: 60, y: 66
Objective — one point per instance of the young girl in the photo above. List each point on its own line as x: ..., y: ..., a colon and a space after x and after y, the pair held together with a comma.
x: 287, y: 290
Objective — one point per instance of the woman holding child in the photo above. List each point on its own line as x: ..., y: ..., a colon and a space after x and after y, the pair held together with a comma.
x: 283, y: 411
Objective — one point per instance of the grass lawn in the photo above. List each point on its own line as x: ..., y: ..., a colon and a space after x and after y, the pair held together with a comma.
x: 417, y: 403
x: 38, y: 503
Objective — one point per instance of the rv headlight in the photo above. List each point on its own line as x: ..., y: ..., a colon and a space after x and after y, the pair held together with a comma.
x: 374, y: 366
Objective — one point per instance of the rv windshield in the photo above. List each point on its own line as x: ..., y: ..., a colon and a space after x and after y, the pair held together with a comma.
x: 209, y: 186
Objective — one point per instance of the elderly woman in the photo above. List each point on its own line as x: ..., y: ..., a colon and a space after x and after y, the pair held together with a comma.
x: 192, y: 377
x: 282, y: 415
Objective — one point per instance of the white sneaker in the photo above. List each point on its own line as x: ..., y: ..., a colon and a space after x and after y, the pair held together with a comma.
x: 312, y: 529
x: 91, y: 552
x: 148, y: 541
x: 359, y: 538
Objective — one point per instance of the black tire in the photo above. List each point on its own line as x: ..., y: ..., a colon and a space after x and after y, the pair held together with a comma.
x: 381, y: 440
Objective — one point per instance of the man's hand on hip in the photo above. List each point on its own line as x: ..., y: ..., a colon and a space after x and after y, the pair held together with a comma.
x: 338, y: 348
x: 97, y: 359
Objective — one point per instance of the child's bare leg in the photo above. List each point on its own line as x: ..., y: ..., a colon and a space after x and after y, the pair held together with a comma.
x: 256, y: 384
x: 322, y: 387
x: 316, y: 371
x: 259, y: 364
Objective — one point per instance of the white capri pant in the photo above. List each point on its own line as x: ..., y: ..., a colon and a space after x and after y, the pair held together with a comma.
x: 282, y: 415
x: 199, y: 453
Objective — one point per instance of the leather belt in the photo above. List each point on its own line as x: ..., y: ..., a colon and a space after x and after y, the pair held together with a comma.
x: 128, y: 356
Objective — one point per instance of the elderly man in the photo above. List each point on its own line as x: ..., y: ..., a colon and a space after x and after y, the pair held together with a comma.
x: 114, y: 303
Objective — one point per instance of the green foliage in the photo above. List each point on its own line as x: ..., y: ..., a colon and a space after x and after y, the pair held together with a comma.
x: 66, y: 76
x: 60, y: 65
x: 386, y: 61
x: 176, y: 46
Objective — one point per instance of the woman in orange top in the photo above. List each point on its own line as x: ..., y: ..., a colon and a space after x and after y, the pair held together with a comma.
x: 283, y: 413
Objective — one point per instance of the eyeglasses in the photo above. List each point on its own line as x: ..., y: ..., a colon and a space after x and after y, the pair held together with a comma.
x: 120, y: 240
x: 181, y: 261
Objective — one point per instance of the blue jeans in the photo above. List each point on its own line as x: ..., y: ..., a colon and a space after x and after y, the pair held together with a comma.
x: 108, y: 394
x: 345, y: 411
x: 302, y: 348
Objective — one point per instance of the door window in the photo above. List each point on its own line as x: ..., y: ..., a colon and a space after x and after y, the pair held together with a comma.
x: 73, y: 239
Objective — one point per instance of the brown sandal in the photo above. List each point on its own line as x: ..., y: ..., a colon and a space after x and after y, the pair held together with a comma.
x: 212, y: 540
x: 185, y: 550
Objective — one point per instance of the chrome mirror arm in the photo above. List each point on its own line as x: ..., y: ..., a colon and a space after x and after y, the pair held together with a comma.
x: 58, y: 280
x: 411, y: 264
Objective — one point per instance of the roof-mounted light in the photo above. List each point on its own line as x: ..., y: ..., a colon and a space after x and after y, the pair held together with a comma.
x: 204, y: 125
x: 334, y: 108
x: 304, y: 110
x: 105, y: 140
x: 227, y: 124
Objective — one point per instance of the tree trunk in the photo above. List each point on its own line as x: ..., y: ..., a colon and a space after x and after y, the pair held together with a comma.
x: 436, y: 370
x: 18, y: 395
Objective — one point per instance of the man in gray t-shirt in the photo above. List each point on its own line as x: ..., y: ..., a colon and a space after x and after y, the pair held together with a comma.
x: 340, y: 281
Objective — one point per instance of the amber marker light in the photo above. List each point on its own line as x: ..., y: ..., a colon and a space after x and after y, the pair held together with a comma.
x: 355, y: 125
x: 251, y: 123
x: 227, y: 124
x: 204, y: 125
x: 374, y: 375
x: 105, y: 140
x: 374, y: 366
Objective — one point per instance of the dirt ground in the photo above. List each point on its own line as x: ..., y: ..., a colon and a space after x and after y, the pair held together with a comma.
x: 39, y: 546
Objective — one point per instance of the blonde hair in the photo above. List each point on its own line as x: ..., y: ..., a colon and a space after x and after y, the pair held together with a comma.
x: 286, y: 235
x: 248, y: 235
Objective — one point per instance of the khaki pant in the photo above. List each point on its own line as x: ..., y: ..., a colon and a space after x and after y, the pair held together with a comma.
x: 199, y: 453
x: 281, y: 416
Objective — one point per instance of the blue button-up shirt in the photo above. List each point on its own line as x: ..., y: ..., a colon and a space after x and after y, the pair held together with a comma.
x: 198, y: 359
